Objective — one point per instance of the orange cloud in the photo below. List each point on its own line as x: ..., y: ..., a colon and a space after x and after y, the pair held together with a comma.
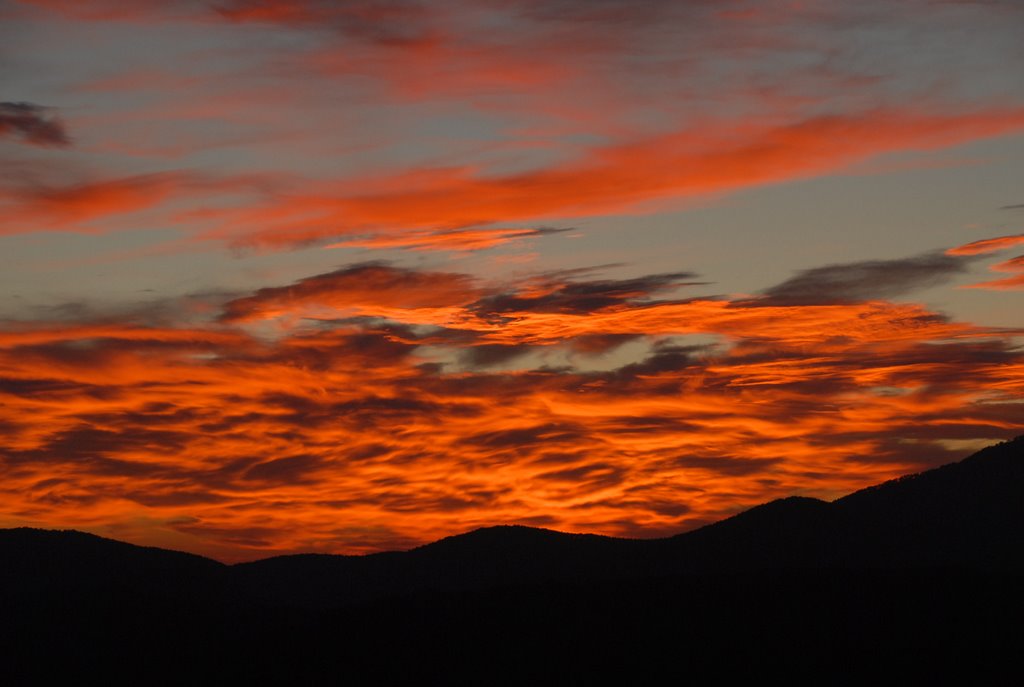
x: 95, y: 206
x: 460, y: 240
x: 1009, y: 283
x: 61, y: 207
x: 367, y: 289
x: 548, y: 65
x: 361, y: 433
x: 987, y: 245
x: 378, y: 406
x: 617, y: 178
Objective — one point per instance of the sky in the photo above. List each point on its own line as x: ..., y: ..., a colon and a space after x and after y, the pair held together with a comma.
x: 349, y: 276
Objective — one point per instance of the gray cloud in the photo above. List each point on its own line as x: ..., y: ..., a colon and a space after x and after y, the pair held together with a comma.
x: 582, y: 297
x: 32, y: 124
x: 862, y: 281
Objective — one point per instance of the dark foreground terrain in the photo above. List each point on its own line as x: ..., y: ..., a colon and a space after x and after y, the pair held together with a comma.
x: 913, y: 580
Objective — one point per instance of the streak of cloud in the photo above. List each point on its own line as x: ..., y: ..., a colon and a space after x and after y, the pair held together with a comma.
x: 863, y: 281
x: 1013, y: 265
x: 617, y: 178
x: 987, y: 245
x: 32, y: 124
x: 255, y: 445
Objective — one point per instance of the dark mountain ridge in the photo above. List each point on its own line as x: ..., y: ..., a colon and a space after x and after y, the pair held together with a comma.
x: 960, y: 515
x: 964, y: 514
x: 929, y: 565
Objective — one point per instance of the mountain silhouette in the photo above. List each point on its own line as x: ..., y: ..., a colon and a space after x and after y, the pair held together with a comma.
x: 920, y: 575
x: 958, y: 515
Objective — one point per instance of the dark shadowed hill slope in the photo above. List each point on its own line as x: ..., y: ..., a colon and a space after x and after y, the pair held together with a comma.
x: 49, y: 568
x: 961, y: 514
x: 38, y: 557
x: 909, y: 580
x: 966, y: 514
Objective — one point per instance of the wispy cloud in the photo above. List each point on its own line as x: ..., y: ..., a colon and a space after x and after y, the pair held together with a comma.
x: 32, y: 124
x: 617, y: 178
x: 369, y: 288
x: 1014, y: 266
x: 395, y: 424
x: 985, y: 246
x: 376, y: 404
x: 862, y: 281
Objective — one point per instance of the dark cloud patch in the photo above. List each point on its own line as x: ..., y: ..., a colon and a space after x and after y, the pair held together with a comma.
x: 362, y: 413
x: 527, y: 436
x: 299, y: 405
x: 35, y: 387
x: 377, y: 325
x: 32, y: 124
x: 97, y: 352
x: 143, y: 418
x: 671, y: 509
x: 863, y: 281
x: 596, y: 344
x: 234, y: 422
x: 592, y: 474
x: 547, y: 231
x: 288, y: 470
x: 581, y: 297
x: 666, y: 356
x: 90, y: 446
x: 559, y: 457
x: 369, y: 284
x: 304, y: 407
x: 226, y: 475
x: 1018, y: 206
x: 397, y: 405
x: 322, y: 351
x: 369, y: 452
x: 175, y: 497
x: 85, y: 353
x: 377, y: 346
x: 726, y: 465
x: 74, y: 498
x: 118, y: 467
x: 646, y: 424
x: 944, y: 358
x: 486, y: 355
x: 50, y: 482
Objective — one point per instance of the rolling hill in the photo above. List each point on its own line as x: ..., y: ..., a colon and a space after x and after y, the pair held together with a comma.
x: 920, y: 574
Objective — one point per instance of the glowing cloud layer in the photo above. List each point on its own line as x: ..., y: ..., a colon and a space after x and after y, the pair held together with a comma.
x: 297, y: 275
x: 379, y: 424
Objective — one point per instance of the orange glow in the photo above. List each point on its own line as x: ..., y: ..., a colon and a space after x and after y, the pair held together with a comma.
x: 987, y: 245
x: 333, y: 208
x: 1009, y: 283
x: 347, y: 436
x: 617, y: 178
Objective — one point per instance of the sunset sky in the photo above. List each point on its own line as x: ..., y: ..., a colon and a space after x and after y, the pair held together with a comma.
x: 353, y: 275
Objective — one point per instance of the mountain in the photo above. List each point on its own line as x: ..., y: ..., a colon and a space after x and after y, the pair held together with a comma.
x: 923, y: 573
x: 961, y: 515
